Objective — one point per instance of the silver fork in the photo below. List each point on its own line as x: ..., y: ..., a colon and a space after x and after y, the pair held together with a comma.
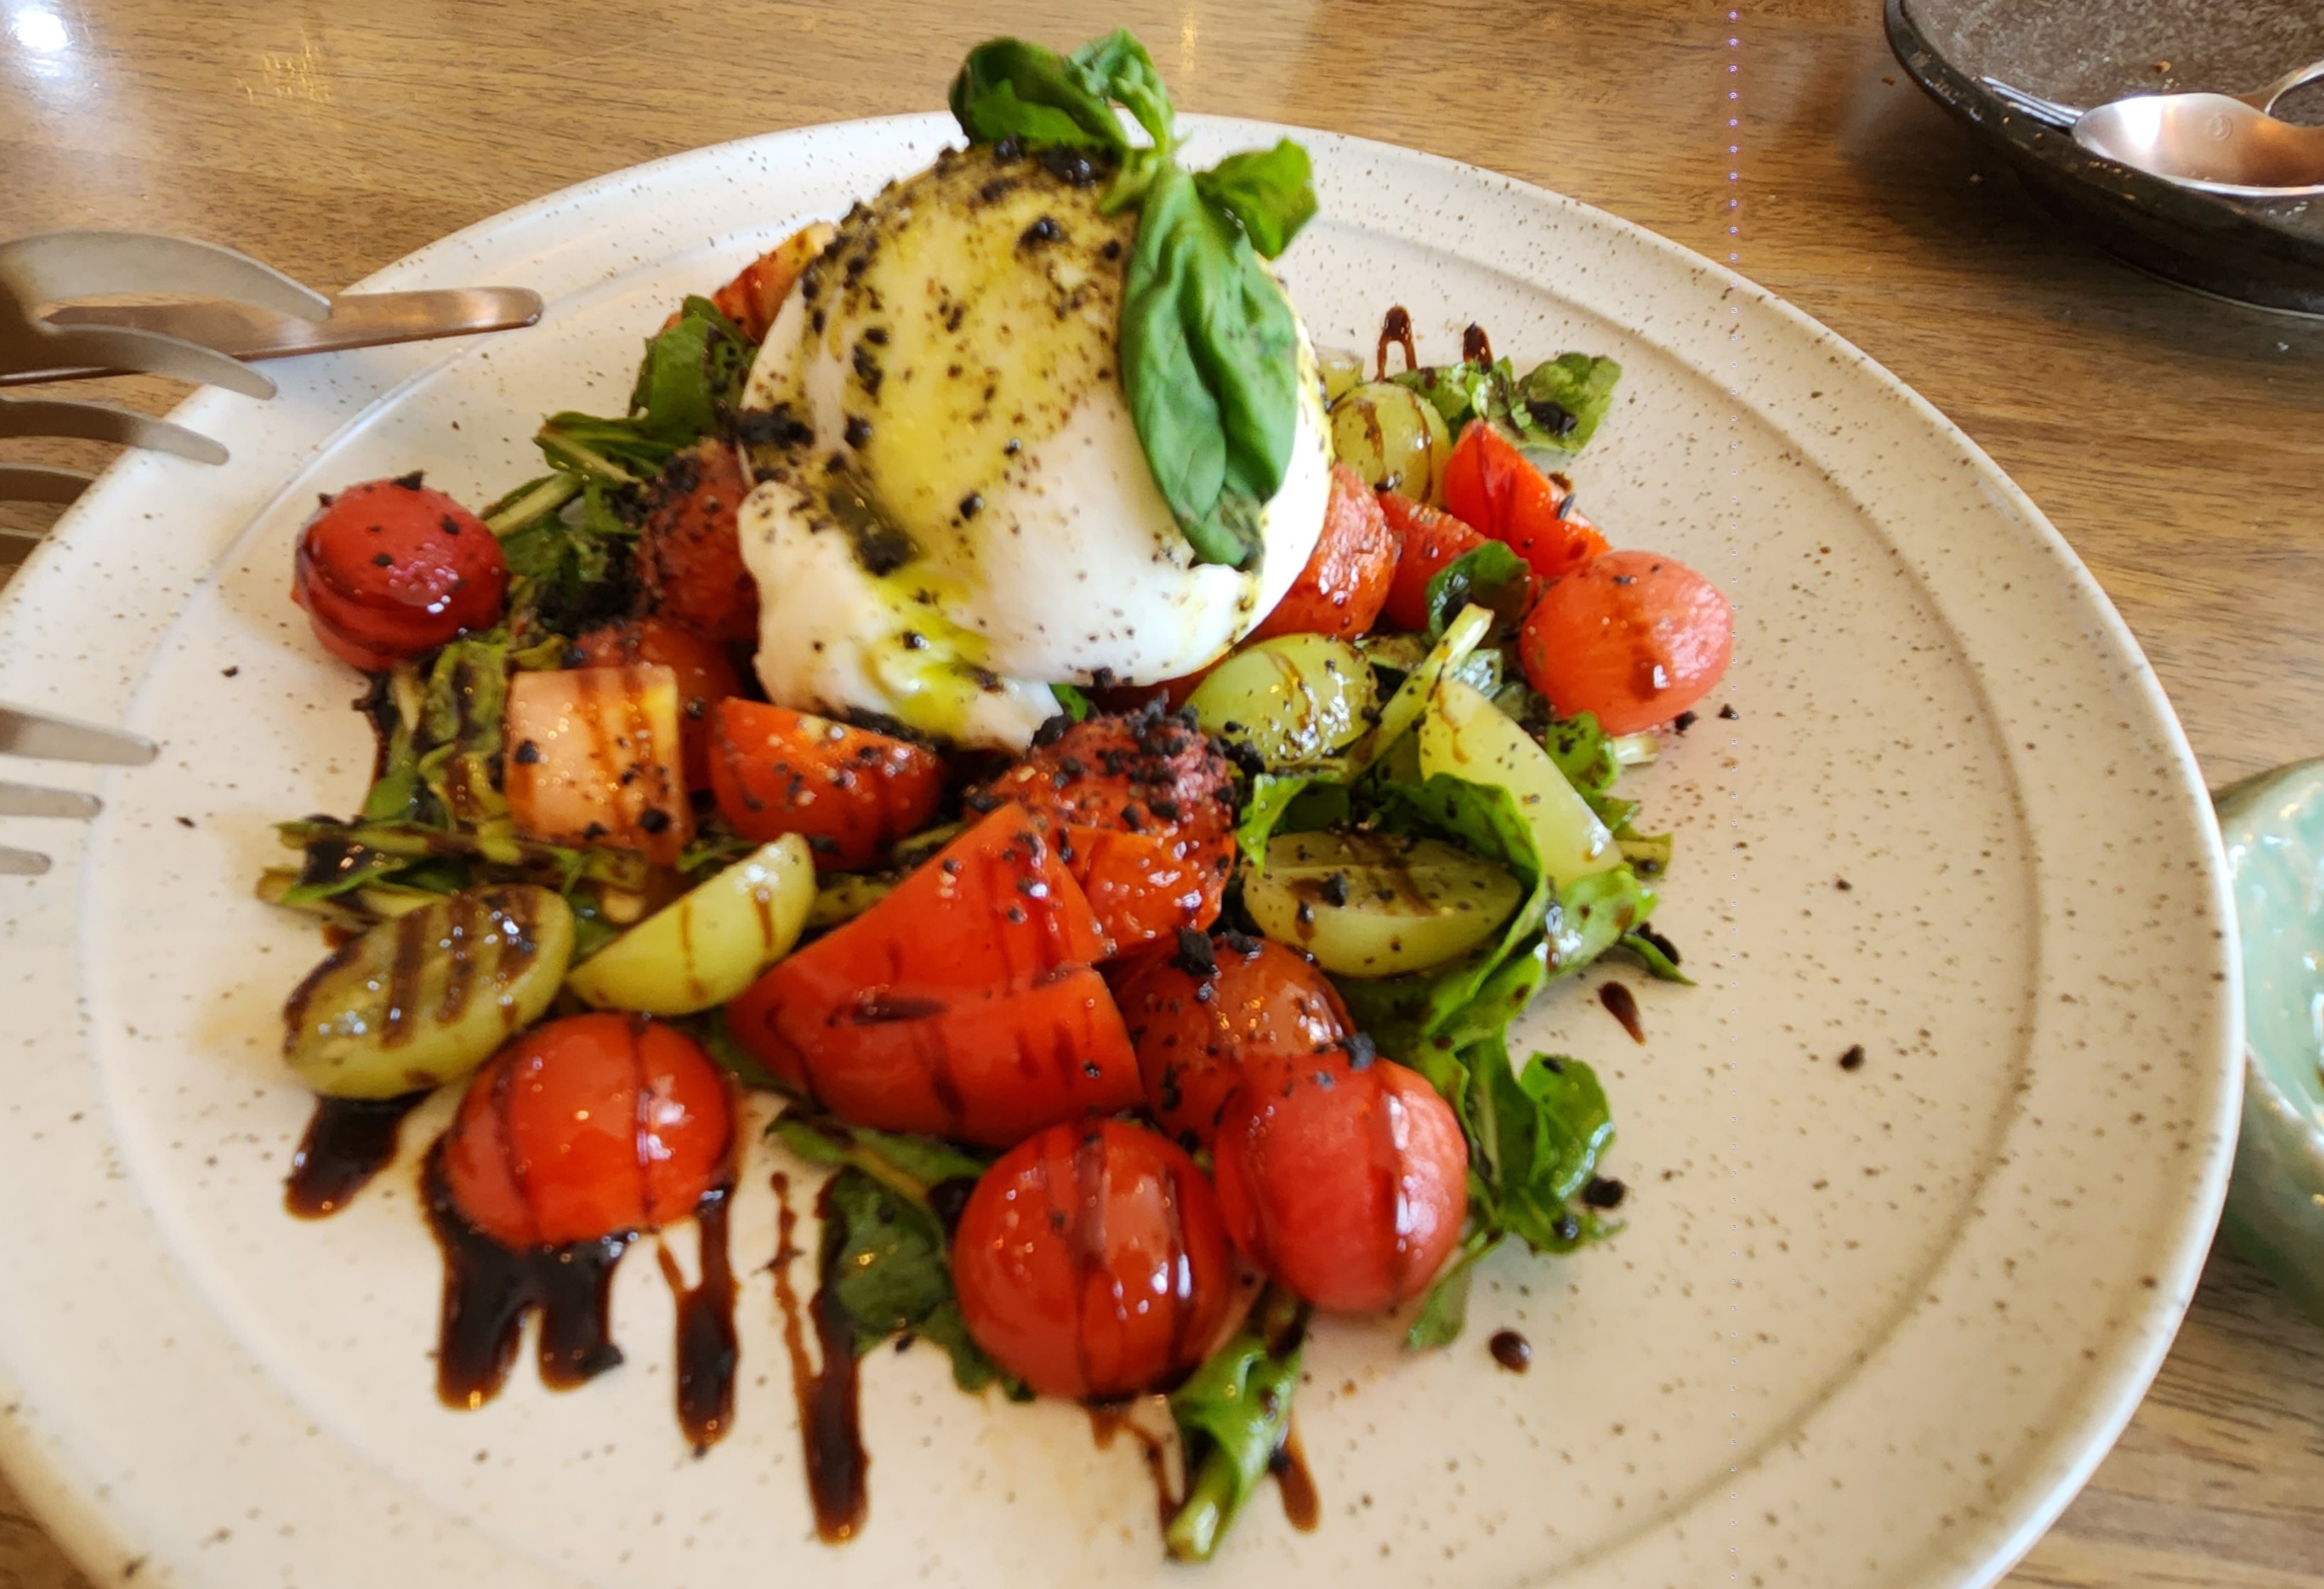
x: 268, y: 316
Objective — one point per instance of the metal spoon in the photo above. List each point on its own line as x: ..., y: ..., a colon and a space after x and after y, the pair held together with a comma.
x: 2217, y: 142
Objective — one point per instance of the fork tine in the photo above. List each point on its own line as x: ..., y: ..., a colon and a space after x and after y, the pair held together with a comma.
x: 49, y: 266
x: 28, y: 800
x: 113, y: 348
x: 24, y: 733
x: 94, y: 422
x: 21, y: 863
x: 35, y: 483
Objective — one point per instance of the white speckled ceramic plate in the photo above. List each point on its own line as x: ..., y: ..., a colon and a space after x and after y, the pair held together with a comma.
x: 1865, y: 1327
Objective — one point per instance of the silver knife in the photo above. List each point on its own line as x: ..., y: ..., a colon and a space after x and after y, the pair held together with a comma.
x: 357, y: 320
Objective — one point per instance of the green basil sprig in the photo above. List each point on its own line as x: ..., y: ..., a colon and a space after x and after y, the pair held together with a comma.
x: 1209, y: 347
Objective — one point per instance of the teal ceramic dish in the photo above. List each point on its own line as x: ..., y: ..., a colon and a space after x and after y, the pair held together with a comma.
x: 2273, y: 829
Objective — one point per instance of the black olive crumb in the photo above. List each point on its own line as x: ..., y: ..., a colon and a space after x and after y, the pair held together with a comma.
x: 1853, y: 1059
x: 1684, y: 721
x: 1730, y: 713
x: 1604, y: 1192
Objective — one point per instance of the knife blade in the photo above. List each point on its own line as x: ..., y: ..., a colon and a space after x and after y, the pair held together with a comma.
x: 357, y: 320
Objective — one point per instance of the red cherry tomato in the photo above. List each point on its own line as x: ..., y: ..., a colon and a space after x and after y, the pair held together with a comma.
x: 1139, y: 811
x: 850, y: 792
x: 1634, y: 637
x: 389, y: 568
x: 1492, y: 486
x: 690, y: 552
x: 962, y: 1004
x: 1091, y: 1261
x: 1197, y: 1033
x: 1346, y: 580
x: 1346, y: 1183
x: 586, y: 1127
x: 1428, y: 539
x: 705, y: 676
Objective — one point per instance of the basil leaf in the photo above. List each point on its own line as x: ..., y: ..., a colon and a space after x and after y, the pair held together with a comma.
x: 1010, y: 89
x: 1233, y: 1414
x: 1270, y: 192
x: 1490, y: 576
x: 1117, y: 66
x: 1209, y: 365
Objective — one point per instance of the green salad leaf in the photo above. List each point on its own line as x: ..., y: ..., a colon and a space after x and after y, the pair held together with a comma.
x: 1551, y: 412
x: 1490, y: 576
x: 885, y: 1247
x: 1579, y: 385
x: 1233, y: 1414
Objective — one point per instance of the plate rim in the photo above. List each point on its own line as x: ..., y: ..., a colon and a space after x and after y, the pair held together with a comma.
x: 2075, y: 1448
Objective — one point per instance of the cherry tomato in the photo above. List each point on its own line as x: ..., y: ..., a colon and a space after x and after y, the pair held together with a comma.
x: 1634, y: 637
x: 389, y: 568
x: 1345, y: 1181
x: 962, y: 1004
x: 755, y: 296
x: 1494, y: 487
x: 690, y: 551
x: 849, y: 792
x: 705, y: 676
x: 1428, y: 539
x: 1139, y: 811
x: 586, y: 1127
x: 1198, y: 1031
x: 1091, y: 1261
x: 1347, y: 577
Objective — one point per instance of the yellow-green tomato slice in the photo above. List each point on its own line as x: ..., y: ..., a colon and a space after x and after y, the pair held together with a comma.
x: 426, y: 998
x: 1373, y: 905
x: 1293, y: 699
x: 709, y: 945
x: 1464, y: 734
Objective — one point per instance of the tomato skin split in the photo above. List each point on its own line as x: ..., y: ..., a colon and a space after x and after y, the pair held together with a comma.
x: 1091, y: 1261
x: 1199, y: 1036
x: 1634, y: 637
x: 587, y: 1127
x: 962, y: 1004
x: 1346, y: 1183
x: 1496, y: 489
x: 389, y: 568
x: 849, y: 792
x: 1346, y: 581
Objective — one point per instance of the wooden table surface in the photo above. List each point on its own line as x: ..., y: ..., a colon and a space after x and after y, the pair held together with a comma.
x: 2174, y: 440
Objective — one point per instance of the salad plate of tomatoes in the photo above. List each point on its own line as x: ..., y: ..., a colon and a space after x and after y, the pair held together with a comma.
x: 1593, y: 960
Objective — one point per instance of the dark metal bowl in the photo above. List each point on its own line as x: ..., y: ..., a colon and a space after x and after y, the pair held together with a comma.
x: 2268, y: 252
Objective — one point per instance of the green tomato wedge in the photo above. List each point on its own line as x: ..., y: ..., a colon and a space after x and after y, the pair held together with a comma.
x: 709, y: 945
x: 1295, y: 699
x: 426, y: 998
x: 1379, y: 905
x: 1465, y: 735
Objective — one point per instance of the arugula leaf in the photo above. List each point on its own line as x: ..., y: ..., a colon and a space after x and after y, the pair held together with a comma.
x: 883, y: 1261
x: 1660, y: 958
x: 709, y: 1029
x: 1209, y: 365
x: 1010, y: 89
x: 1579, y: 386
x: 1270, y: 192
x: 1490, y: 576
x: 1233, y: 1414
x: 692, y: 374
x: 460, y: 719
x: 1072, y: 702
x: 1444, y: 1311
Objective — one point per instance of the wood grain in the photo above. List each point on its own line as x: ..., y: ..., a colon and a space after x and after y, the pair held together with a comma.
x: 2173, y: 440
